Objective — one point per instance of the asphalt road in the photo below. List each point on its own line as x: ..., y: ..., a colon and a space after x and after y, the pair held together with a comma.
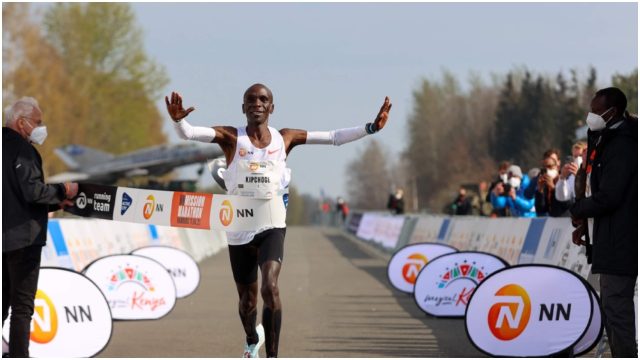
x: 336, y: 303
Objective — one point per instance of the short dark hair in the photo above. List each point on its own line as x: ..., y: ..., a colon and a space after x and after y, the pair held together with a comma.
x: 614, y: 97
x: 258, y: 85
x: 550, y: 152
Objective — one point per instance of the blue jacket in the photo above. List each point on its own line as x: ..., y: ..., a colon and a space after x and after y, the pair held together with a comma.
x: 521, y: 206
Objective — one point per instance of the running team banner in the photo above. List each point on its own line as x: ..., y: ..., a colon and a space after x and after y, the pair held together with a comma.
x: 533, y: 310
x: 180, y: 265
x: 178, y: 209
x: 71, y: 316
x: 406, y: 263
x: 445, y: 284
x: 136, y: 287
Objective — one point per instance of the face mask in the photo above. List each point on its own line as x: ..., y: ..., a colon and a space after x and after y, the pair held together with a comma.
x: 514, y: 182
x: 504, y: 177
x: 578, y: 160
x: 38, y: 135
x: 553, y: 173
x: 596, y: 122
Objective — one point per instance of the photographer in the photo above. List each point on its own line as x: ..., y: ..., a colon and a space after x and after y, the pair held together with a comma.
x: 565, y: 187
x: 545, y: 199
x: 510, y: 195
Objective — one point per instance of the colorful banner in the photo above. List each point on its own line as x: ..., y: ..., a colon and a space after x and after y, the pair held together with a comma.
x: 529, y: 310
x: 405, y: 265
x: 178, y: 209
x: 136, y: 287
x: 182, y: 267
x: 71, y: 316
x: 445, y: 284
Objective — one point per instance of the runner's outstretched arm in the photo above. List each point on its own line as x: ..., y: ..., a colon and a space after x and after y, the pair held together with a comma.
x: 217, y: 134
x: 294, y: 137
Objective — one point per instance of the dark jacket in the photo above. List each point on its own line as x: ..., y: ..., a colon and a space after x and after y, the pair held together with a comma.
x: 26, y: 199
x: 614, y: 201
x: 547, y: 204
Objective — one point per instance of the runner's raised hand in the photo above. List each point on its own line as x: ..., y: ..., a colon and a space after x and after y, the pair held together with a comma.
x: 383, y: 115
x: 175, y: 109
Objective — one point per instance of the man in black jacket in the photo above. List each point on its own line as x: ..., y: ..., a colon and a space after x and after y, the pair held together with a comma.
x: 26, y: 201
x: 611, y: 207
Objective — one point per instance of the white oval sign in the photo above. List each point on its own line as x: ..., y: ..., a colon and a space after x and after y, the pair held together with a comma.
x: 596, y: 327
x: 180, y: 265
x: 528, y: 310
x: 406, y: 263
x: 136, y: 287
x: 444, y: 286
x: 71, y: 316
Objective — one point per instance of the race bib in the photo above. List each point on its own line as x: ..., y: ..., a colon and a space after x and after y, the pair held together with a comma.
x: 260, y: 179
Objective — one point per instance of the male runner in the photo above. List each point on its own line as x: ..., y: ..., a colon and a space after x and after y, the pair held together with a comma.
x: 242, y: 146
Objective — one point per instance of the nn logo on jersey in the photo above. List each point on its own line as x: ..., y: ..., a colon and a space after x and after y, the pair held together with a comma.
x: 509, y: 316
x: 44, y: 324
x: 150, y: 206
x: 415, y: 263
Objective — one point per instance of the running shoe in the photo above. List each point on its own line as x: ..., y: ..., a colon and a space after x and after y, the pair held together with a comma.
x: 251, y: 351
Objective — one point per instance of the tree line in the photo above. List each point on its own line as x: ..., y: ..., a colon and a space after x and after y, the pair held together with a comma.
x: 457, y: 136
x: 86, y: 66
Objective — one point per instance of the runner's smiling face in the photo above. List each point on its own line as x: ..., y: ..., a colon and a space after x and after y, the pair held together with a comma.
x: 258, y: 104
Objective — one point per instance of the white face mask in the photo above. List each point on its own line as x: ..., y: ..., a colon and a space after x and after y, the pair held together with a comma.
x: 514, y: 182
x: 553, y: 173
x: 596, y: 122
x: 578, y: 160
x: 504, y: 177
x: 38, y: 135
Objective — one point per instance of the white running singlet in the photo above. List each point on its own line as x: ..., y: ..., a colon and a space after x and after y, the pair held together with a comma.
x: 259, y: 173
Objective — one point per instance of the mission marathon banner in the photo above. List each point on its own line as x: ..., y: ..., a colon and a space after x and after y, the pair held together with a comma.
x: 178, y: 209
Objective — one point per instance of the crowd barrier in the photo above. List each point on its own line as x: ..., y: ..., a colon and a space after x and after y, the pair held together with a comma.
x: 74, y: 243
x: 527, y: 246
x: 96, y: 270
x: 516, y: 240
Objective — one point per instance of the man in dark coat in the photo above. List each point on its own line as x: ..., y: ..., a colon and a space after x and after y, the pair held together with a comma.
x: 611, y: 207
x: 26, y: 201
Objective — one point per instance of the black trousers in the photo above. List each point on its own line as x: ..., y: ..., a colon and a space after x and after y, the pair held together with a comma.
x: 616, y: 293
x: 20, y: 270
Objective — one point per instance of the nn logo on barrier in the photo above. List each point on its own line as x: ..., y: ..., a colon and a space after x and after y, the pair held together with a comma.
x: 44, y: 324
x: 226, y: 213
x: 509, y: 316
x: 415, y: 263
x: 150, y: 206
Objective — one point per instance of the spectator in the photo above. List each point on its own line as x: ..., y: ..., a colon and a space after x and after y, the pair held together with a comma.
x: 342, y: 209
x: 396, y: 202
x: 26, y: 200
x: 565, y: 187
x: 461, y: 205
x: 545, y: 200
x: 503, y: 177
x: 479, y: 203
x: 611, y: 207
x: 509, y: 197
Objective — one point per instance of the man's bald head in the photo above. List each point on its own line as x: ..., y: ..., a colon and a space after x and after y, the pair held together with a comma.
x: 256, y: 87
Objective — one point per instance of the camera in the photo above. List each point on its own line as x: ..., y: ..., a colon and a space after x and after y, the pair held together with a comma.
x: 507, y: 188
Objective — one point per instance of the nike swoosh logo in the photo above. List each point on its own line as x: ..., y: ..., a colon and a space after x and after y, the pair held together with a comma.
x: 273, y: 152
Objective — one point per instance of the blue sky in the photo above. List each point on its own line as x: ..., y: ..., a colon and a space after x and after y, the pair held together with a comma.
x: 330, y: 65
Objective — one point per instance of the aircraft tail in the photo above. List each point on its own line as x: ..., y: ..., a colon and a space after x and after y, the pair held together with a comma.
x: 76, y: 156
